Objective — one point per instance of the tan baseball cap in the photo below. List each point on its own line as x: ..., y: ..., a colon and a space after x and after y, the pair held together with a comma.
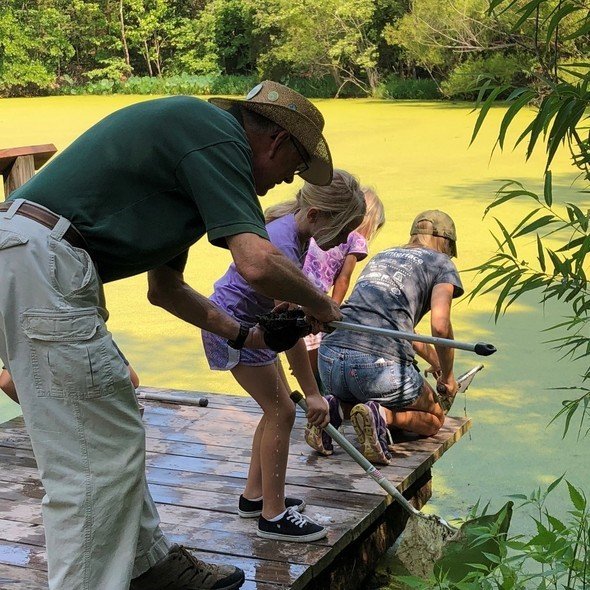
x: 297, y: 115
x: 442, y: 226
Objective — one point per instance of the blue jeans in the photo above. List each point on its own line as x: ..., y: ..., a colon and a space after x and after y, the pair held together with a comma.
x: 358, y: 377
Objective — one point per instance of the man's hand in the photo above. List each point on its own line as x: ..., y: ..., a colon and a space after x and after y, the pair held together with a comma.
x: 433, y: 370
x: 318, y: 411
x: 319, y: 318
x: 283, y: 330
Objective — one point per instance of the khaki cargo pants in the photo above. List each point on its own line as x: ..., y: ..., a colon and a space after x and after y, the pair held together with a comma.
x: 80, y: 410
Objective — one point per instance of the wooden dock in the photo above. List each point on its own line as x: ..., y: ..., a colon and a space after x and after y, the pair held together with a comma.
x: 197, y: 464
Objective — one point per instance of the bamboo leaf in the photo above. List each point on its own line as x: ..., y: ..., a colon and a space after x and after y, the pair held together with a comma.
x: 512, y: 280
x: 572, y: 244
x: 526, y: 11
x: 515, y: 108
x: 548, y: 189
x: 540, y: 253
x: 578, y: 215
x: 554, y: 484
x: 525, y: 219
x: 485, y: 108
x: 557, y: 263
x: 557, y: 18
x: 566, y: 119
x: 507, y: 238
x: 541, y: 222
x: 576, y: 74
x: 549, y: 107
x: 582, y: 31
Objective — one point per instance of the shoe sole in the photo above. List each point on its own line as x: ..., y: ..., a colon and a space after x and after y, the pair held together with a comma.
x: 234, y: 585
x: 257, y: 513
x: 363, y: 426
x: 313, y: 437
x: 293, y: 538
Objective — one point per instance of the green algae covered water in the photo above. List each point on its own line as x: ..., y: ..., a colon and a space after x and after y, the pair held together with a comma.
x: 417, y: 156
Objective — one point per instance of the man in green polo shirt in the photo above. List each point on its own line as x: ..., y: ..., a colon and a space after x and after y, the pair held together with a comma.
x: 131, y: 195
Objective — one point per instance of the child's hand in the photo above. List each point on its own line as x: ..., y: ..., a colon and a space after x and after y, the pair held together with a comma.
x: 433, y: 370
x: 447, y: 386
x: 318, y: 411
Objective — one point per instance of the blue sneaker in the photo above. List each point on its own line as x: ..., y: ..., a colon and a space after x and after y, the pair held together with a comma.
x: 317, y: 438
x: 372, y: 432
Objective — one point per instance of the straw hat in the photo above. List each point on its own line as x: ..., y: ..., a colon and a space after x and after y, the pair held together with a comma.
x: 297, y: 115
x: 442, y: 226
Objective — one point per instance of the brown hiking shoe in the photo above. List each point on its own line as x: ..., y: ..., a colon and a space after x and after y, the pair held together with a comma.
x: 180, y: 570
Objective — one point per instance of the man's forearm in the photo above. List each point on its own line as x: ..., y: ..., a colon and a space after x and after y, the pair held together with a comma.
x: 272, y: 274
x: 169, y: 291
x: 284, y: 281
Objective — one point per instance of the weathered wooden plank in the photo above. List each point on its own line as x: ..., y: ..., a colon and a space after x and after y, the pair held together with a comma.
x: 18, y: 578
x: 40, y: 154
x: 316, y: 496
x: 23, y: 555
x: 196, y: 487
x: 246, y: 542
x: 17, y: 531
x: 25, y: 566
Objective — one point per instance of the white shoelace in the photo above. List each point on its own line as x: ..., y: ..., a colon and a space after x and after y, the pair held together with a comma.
x: 297, y: 518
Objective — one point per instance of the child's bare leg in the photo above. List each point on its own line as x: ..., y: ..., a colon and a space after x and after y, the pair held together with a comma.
x: 7, y: 385
x: 253, y: 489
x: 424, y: 416
x: 266, y: 386
x: 313, y: 361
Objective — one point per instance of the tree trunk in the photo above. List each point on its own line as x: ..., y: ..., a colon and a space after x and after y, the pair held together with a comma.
x: 147, y: 58
x: 373, y: 78
x: 123, y: 35
x: 158, y: 61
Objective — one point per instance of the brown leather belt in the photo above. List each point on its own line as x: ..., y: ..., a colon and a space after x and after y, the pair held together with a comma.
x: 49, y: 220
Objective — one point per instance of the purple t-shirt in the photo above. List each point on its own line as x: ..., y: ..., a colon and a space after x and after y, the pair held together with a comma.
x: 322, y: 267
x: 233, y: 294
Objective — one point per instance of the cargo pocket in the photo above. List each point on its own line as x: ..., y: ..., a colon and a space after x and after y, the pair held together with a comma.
x: 72, y: 273
x: 70, y: 353
x: 9, y: 239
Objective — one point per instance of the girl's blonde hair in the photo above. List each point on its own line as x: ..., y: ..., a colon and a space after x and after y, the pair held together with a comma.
x: 438, y: 243
x: 374, y: 216
x: 342, y: 200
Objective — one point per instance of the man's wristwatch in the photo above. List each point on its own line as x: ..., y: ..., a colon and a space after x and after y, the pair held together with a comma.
x: 240, y: 340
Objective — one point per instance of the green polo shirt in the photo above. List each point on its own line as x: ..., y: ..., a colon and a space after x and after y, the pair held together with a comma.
x: 149, y: 180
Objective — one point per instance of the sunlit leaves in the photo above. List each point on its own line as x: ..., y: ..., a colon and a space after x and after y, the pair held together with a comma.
x: 560, y: 232
x: 555, y: 557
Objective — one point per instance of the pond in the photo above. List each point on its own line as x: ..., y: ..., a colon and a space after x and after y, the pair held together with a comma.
x: 417, y: 156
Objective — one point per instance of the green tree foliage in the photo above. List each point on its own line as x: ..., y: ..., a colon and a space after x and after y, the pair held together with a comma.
x: 33, y: 46
x: 558, y: 270
x: 220, y: 39
x: 463, y: 41
x: 318, y: 38
x: 332, y: 47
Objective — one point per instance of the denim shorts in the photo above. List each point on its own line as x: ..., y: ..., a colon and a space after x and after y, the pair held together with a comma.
x: 222, y: 357
x: 359, y: 377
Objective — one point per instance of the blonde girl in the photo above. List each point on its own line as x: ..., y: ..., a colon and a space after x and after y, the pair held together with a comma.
x: 328, y: 214
x: 332, y: 269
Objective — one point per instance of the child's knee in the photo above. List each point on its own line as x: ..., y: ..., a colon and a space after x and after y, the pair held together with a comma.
x: 283, y: 414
